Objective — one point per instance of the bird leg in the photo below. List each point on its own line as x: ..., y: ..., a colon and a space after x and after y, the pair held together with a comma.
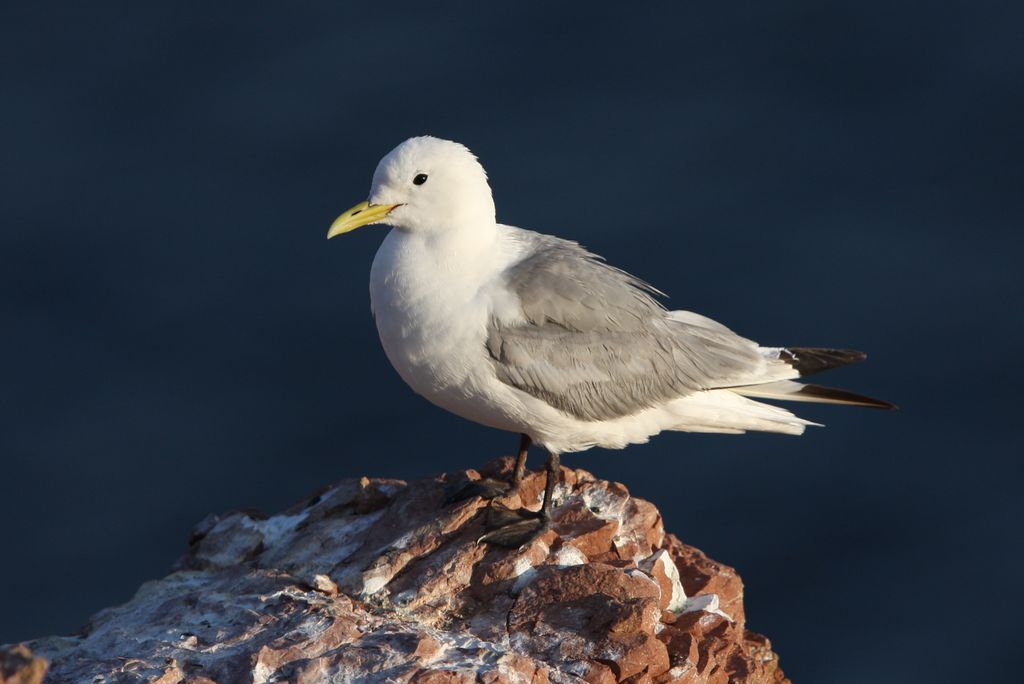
x: 515, y: 527
x: 491, y: 488
x: 554, y: 468
x: 524, y: 450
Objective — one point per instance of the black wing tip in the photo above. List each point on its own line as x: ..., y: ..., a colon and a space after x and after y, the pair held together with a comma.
x: 811, y: 360
x: 844, y: 397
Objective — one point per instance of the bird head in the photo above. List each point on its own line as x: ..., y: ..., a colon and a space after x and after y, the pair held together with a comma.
x: 425, y: 185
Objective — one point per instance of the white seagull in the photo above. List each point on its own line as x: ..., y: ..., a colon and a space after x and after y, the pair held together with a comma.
x: 530, y: 333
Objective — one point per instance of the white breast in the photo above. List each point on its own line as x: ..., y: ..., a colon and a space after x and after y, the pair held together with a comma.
x: 432, y: 303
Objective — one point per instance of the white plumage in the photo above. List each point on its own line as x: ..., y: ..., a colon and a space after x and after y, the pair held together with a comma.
x: 532, y: 334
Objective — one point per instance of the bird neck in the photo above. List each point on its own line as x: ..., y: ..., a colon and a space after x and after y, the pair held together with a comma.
x: 463, y: 242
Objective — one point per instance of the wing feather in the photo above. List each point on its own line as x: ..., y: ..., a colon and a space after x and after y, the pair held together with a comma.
x: 594, y: 342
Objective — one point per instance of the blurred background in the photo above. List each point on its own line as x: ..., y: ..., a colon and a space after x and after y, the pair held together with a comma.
x: 178, y: 338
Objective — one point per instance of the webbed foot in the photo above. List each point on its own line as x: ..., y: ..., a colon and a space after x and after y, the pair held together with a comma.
x: 512, y: 527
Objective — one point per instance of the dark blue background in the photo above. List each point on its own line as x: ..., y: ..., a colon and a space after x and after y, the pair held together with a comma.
x: 178, y: 338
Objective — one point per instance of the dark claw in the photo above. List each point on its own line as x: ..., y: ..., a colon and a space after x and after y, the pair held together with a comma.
x: 487, y: 488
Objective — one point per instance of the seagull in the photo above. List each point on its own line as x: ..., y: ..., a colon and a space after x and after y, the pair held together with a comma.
x: 533, y: 334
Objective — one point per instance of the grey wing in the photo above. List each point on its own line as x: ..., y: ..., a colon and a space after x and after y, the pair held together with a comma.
x: 598, y: 346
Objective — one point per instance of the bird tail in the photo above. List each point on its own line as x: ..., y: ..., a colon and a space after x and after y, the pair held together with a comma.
x: 775, y: 380
x: 726, y: 411
x: 788, y: 390
x: 810, y: 360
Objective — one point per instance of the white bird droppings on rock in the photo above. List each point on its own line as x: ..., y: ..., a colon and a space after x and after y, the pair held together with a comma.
x: 707, y: 603
x: 332, y: 598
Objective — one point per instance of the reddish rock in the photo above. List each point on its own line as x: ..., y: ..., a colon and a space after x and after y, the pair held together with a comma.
x: 382, y: 580
x: 19, y: 666
x: 516, y: 669
x: 579, y: 527
x: 590, y: 612
x: 701, y: 575
x: 444, y: 677
x: 662, y: 568
x: 599, y: 673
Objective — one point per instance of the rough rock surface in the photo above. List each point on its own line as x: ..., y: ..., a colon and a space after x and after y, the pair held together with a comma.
x: 384, y: 581
x: 19, y: 666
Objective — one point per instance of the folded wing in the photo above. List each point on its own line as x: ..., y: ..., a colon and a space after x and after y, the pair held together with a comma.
x: 593, y: 342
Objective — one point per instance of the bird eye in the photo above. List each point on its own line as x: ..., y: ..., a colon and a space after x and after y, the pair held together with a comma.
x: 420, y: 179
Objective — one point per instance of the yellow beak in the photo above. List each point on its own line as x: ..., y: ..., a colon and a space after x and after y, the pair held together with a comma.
x: 363, y: 214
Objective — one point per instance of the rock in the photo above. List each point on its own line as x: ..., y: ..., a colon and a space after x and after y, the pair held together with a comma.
x: 383, y: 580
x: 19, y: 666
x: 663, y: 570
